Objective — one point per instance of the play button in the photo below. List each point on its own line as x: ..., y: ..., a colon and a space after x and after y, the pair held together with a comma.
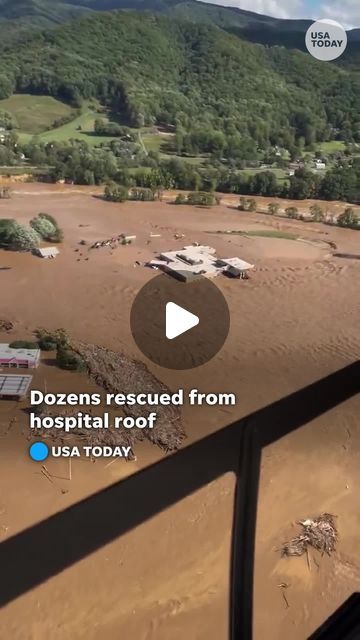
x: 179, y: 325
x: 178, y: 320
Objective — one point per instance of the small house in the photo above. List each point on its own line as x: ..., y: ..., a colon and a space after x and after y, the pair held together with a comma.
x: 46, y: 252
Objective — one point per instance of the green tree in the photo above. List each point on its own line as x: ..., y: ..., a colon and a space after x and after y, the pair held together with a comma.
x: 201, y: 198
x: 273, y: 208
x: 349, y: 218
x: 68, y: 359
x: 292, y: 212
x: 47, y: 227
x: 116, y: 193
x: 242, y: 204
x: 180, y: 199
x: 43, y: 227
x: 143, y: 194
x: 17, y: 237
x: 25, y: 238
x: 317, y: 213
x: 6, y: 86
x: 23, y: 344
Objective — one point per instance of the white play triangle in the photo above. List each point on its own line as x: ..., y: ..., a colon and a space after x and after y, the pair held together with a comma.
x: 178, y: 320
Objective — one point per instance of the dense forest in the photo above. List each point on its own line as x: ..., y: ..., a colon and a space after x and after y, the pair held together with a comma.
x: 220, y: 96
x: 223, y: 94
x: 76, y: 162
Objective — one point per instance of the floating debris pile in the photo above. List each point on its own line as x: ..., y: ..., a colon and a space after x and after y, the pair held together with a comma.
x: 6, y: 325
x: 320, y: 533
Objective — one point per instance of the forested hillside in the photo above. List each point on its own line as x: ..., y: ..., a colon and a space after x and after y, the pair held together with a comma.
x: 177, y: 97
x: 247, y: 25
x: 219, y: 91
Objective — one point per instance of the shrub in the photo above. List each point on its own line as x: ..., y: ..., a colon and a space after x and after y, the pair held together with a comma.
x: 18, y: 237
x: 68, y: 359
x: 25, y: 238
x: 5, y: 193
x: 292, y: 212
x: 273, y: 208
x: 317, y: 214
x: 142, y: 193
x: 115, y: 193
x: 202, y: 198
x: 58, y: 338
x: 7, y: 227
x: 349, y: 218
x: 23, y: 344
x: 43, y: 227
x: 47, y: 344
x: 180, y: 199
x: 47, y: 227
x: 242, y: 204
x: 247, y: 204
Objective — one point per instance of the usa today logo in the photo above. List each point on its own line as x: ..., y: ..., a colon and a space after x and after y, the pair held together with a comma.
x: 326, y: 40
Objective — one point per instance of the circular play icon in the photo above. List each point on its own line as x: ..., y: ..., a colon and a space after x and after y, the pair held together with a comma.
x: 179, y: 325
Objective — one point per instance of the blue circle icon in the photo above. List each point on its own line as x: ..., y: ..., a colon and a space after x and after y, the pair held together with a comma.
x: 39, y: 451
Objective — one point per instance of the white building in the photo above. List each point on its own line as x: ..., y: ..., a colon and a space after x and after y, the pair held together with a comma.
x: 15, y: 358
x: 194, y: 261
x: 14, y: 386
x: 47, y: 252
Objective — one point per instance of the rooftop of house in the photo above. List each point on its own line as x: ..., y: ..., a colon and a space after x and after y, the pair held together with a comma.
x: 7, y: 352
x: 197, y: 260
x: 45, y: 252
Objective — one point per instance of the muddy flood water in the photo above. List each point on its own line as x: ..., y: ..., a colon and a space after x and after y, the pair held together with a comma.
x: 293, y: 323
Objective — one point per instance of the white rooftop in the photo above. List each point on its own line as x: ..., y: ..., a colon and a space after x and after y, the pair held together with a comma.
x: 14, y: 385
x: 237, y: 262
x: 47, y: 252
x: 8, y: 352
x: 197, y: 260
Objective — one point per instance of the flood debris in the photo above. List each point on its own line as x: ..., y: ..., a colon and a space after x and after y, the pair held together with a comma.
x: 114, y: 241
x: 319, y: 533
x: 118, y: 373
x: 115, y: 372
x: 283, y: 586
x: 6, y: 325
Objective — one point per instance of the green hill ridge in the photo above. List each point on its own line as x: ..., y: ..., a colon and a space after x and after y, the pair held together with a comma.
x: 151, y: 69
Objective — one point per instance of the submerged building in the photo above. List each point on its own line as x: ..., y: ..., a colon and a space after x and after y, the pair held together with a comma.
x: 18, y: 358
x: 47, y: 252
x: 14, y: 386
x: 194, y: 261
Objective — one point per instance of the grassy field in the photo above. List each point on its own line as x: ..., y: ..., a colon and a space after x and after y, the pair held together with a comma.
x: 34, y: 114
x: 161, y: 143
x: 280, y: 174
x: 331, y: 147
x: 155, y: 141
x: 81, y: 127
x: 266, y: 233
